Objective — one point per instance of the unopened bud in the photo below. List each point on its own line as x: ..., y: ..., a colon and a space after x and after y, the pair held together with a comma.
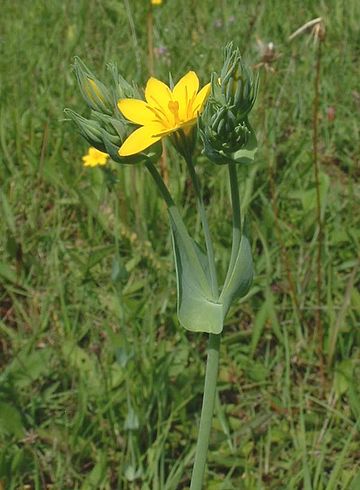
x: 106, y: 130
x: 122, y: 88
x: 96, y: 95
x: 224, y: 125
x: 90, y: 130
x: 238, y: 87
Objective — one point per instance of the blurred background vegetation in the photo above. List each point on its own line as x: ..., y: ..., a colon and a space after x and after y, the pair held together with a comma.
x: 100, y: 388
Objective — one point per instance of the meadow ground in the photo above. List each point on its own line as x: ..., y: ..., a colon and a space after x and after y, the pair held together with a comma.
x: 100, y: 388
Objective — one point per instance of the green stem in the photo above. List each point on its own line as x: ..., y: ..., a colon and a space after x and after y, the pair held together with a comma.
x: 164, y: 191
x: 207, y: 411
x: 205, y: 225
x: 212, y: 365
x: 235, y: 201
x: 179, y: 225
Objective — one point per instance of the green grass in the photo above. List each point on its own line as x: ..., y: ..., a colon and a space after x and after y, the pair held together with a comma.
x: 100, y: 388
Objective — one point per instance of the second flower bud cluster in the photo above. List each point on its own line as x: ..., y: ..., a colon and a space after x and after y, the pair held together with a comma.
x: 224, y: 125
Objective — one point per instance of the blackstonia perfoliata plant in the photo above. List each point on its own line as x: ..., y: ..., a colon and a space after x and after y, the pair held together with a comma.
x: 129, y: 128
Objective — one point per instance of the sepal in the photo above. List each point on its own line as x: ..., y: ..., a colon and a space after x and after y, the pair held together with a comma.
x: 220, y: 152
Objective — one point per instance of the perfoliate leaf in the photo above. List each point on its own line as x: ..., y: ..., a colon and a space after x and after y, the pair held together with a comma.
x: 239, y: 281
x: 197, y: 310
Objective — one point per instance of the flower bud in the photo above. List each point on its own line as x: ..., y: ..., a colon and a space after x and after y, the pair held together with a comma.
x: 106, y: 133
x: 106, y: 130
x: 122, y: 88
x: 94, y: 92
x: 224, y: 125
x: 90, y: 130
x: 237, y: 84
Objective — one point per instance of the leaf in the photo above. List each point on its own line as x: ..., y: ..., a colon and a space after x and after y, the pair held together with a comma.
x: 8, y: 215
x: 7, y: 273
x: 10, y: 420
x: 132, y: 420
x: 308, y: 197
x: 83, y: 364
x: 355, y: 484
x: 119, y: 273
x: 131, y: 473
x: 27, y: 367
x: 343, y: 376
x: 97, y: 474
x: 197, y: 310
x: 258, y: 326
x: 240, y: 279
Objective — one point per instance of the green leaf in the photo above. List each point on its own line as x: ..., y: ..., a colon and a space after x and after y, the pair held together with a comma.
x: 27, y: 367
x: 132, y: 420
x: 97, y: 474
x: 7, y: 273
x: 197, y: 310
x: 240, y: 279
x: 343, y: 376
x: 10, y: 420
x: 83, y: 364
x: 355, y: 484
x: 308, y: 197
x: 258, y: 326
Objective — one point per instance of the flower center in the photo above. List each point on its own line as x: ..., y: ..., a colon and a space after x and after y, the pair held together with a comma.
x: 174, y: 109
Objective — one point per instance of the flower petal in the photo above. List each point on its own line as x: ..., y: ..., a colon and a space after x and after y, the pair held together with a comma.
x: 187, y: 87
x: 158, y: 95
x: 136, y: 111
x: 95, y: 157
x: 141, y: 139
x: 200, y: 99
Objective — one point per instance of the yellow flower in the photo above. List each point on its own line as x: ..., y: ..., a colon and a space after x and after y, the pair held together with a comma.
x: 156, y: 2
x: 165, y: 111
x: 94, y: 157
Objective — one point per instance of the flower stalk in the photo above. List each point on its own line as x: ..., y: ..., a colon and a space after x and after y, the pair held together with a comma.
x: 212, y: 368
x: 236, y: 211
x: 205, y: 225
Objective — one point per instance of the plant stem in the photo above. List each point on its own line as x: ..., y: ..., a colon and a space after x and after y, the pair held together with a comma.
x: 179, y: 224
x: 150, y: 43
x: 235, y: 202
x: 164, y: 191
x: 205, y: 225
x: 212, y: 367
x: 319, y: 335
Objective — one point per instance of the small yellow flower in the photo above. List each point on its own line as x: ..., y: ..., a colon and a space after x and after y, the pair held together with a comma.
x: 94, y: 157
x: 156, y: 2
x: 164, y: 112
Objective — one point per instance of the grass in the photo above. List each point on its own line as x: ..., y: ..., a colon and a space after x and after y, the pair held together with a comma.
x: 99, y: 386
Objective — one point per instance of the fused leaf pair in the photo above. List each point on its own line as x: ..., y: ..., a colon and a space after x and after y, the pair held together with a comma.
x: 198, y: 310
